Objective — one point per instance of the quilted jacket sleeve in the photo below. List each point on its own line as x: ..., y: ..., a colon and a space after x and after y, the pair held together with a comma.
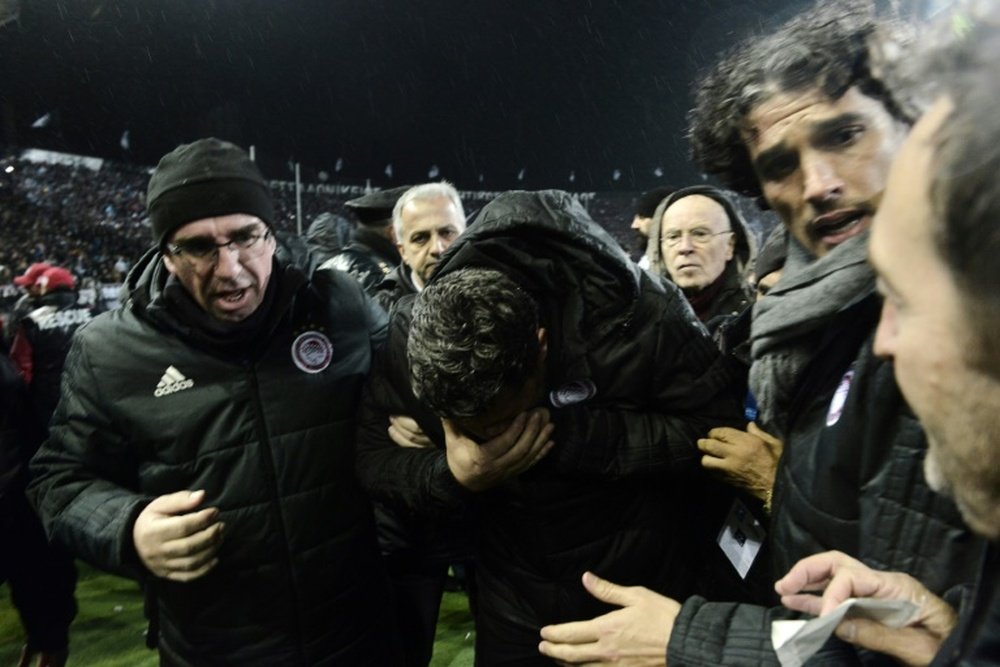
x: 709, y: 634
x: 668, y: 385
x: 82, y: 474
x: 417, y: 478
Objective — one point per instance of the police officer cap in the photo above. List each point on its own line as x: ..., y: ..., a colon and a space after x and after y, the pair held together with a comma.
x: 375, y: 208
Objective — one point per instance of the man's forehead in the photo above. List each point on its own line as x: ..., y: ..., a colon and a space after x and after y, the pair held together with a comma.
x: 771, y: 121
x: 226, y: 224
x: 905, y: 218
x: 427, y: 206
x: 766, y: 121
x: 430, y: 214
x: 693, y: 210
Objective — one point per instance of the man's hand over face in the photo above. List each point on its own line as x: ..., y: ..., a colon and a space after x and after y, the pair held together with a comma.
x: 635, y: 635
x: 839, y: 577
x: 481, y: 466
x: 176, y: 542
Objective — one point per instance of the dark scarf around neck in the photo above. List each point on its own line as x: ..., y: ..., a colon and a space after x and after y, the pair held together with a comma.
x: 233, y: 340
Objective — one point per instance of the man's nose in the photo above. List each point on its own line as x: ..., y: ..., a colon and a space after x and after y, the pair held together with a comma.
x: 686, y: 243
x: 822, y: 182
x: 227, y: 263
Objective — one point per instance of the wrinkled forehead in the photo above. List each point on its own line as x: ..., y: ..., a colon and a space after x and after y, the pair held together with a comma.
x: 695, y: 211
x: 774, y: 114
x: 790, y: 118
x: 432, y: 212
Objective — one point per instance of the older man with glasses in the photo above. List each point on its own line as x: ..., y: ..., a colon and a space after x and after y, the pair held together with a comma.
x: 204, y: 436
x: 698, y: 240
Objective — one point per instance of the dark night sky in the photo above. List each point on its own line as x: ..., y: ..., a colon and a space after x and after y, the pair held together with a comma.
x: 475, y: 87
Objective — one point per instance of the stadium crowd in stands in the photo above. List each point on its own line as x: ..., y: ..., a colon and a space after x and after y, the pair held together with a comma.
x: 94, y: 221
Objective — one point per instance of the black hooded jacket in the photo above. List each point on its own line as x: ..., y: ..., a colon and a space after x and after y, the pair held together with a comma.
x: 264, y: 422
x: 637, y: 381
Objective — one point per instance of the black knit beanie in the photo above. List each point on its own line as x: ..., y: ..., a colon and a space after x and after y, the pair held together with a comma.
x: 205, y: 179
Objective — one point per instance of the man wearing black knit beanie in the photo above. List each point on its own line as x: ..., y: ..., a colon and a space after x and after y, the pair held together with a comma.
x: 203, y: 440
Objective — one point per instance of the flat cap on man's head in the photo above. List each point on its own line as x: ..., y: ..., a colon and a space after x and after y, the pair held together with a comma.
x: 205, y: 179
x: 375, y: 208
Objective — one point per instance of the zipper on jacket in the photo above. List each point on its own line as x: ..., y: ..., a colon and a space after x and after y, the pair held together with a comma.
x: 272, y: 476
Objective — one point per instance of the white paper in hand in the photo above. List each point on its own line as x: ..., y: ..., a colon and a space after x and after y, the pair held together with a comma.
x: 797, y: 641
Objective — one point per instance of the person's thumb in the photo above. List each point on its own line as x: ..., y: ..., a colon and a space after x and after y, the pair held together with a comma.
x: 770, y: 441
x: 180, y: 502
x: 605, y: 591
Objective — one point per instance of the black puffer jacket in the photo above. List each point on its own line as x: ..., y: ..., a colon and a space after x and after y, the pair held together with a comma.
x: 267, y: 430
x: 851, y: 478
x: 394, y: 287
x: 975, y: 641
x: 369, y: 257
x: 639, y: 380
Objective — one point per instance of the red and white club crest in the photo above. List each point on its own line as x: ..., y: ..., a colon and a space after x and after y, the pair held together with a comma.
x: 312, y: 352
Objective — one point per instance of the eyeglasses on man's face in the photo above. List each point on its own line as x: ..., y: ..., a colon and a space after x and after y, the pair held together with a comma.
x: 203, y: 252
x: 699, y: 236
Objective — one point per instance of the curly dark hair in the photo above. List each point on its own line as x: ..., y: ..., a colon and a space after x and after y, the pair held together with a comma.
x: 474, y: 333
x: 833, y: 47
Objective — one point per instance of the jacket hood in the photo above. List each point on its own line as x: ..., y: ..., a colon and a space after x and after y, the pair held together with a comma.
x: 745, y: 246
x: 145, y: 280
x: 538, y: 238
x: 330, y: 232
x: 583, y: 281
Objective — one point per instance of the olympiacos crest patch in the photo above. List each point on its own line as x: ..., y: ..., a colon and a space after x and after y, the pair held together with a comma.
x: 573, y: 392
x: 312, y: 352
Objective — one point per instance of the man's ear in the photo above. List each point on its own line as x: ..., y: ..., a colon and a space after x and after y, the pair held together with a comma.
x: 732, y: 247
x: 168, y: 261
